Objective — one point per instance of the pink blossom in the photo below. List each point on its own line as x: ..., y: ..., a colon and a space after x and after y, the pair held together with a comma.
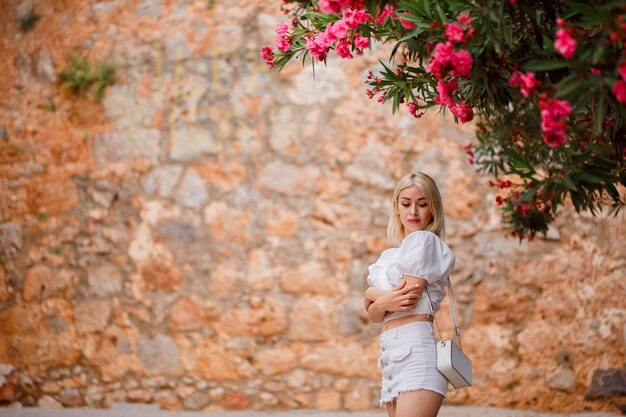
x: 267, y: 54
x: 388, y: 11
x: 462, y: 63
x: 465, y: 19
x: 622, y: 70
x: 281, y: 28
x: 444, y: 91
x: 316, y: 46
x: 330, y: 6
x: 619, y: 90
x: 282, y: 44
x: 339, y: 29
x: 413, y: 108
x: 405, y: 23
x: 454, y: 33
x: 440, y: 59
x: 355, y: 18
x: 565, y: 44
x: 526, y: 81
x: 361, y: 42
x: 463, y: 111
x: 342, y: 48
x: 554, y: 114
x: 595, y: 71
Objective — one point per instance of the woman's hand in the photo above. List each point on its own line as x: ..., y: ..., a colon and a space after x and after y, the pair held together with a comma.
x: 401, y: 298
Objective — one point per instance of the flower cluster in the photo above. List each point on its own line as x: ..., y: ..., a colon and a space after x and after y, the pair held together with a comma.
x: 448, y: 64
x: 525, y: 81
x: 554, y: 114
x: 531, y: 93
x: 336, y: 6
x: 342, y: 35
x: 565, y: 42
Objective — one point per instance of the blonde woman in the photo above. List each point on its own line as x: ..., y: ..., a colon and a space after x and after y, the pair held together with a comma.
x: 404, y: 282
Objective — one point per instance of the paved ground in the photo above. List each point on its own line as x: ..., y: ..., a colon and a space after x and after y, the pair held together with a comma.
x: 150, y: 411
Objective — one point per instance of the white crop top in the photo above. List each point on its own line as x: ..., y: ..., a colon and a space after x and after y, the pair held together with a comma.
x: 423, y: 255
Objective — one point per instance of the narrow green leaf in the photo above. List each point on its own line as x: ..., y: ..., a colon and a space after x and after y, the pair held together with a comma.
x: 545, y: 65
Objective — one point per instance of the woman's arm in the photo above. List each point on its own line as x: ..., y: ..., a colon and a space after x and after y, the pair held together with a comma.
x: 401, y: 298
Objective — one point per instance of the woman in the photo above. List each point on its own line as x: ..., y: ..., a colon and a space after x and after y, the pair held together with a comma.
x: 404, y: 283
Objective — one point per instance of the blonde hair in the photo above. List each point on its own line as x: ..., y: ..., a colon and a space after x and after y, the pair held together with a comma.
x: 395, y: 229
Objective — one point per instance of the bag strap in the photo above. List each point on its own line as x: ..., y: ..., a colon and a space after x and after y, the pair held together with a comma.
x: 457, y: 329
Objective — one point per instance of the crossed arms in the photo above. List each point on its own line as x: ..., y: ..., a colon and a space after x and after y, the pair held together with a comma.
x: 398, y: 299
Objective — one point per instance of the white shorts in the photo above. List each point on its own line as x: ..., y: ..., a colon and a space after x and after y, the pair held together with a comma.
x: 408, y: 358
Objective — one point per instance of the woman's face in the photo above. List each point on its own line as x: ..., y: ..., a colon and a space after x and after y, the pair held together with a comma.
x: 413, y: 210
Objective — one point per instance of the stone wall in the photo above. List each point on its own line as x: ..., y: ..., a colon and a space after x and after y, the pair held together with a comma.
x: 200, y: 239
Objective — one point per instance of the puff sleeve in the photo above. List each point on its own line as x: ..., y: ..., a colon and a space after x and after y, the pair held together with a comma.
x: 422, y: 254
x: 378, y: 272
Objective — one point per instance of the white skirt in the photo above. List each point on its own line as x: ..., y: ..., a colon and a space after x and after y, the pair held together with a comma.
x: 408, y: 358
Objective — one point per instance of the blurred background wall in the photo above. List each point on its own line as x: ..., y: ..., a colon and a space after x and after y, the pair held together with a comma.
x: 200, y: 238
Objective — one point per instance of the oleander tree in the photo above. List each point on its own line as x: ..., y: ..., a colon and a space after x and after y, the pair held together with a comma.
x: 543, y: 81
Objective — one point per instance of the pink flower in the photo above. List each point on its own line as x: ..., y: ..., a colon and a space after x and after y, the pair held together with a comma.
x: 330, y: 6
x: 565, y: 44
x: 339, y: 29
x: 388, y: 11
x: 281, y: 28
x: 622, y: 70
x: 554, y: 114
x: 454, y: 33
x: 282, y: 44
x: 595, y: 71
x: 405, y: 23
x: 342, y: 48
x: 440, y: 59
x: 444, y: 91
x: 462, y: 63
x: 619, y: 90
x: 465, y: 19
x: 267, y: 54
x: 413, y: 108
x: 318, y: 46
x: 355, y: 18
x: 463, y: 111
x: 361, y: 42
x: 527, y: 82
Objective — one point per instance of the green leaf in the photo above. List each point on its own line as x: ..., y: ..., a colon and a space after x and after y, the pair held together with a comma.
x: 599, y: 115
x: 545, y: 65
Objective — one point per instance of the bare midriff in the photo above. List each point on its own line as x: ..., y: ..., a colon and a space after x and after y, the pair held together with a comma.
x: 391, y: 324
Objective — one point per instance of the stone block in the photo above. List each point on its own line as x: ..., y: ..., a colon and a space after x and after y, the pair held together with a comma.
x: 236, y: 401
x: 562, y: 379
x: 41, y: 283
x: 288, y: 179
x: 276, y: 361
x: 368, y: 167
x: 127, y: 145
x: 48, y: 402
x: 196, y: 401
x: 327, y: 400
x: 161, y: 275
x: 159, y: 353
x: 104, y: 280
x: 310, y: 320
x: 161, y: 180
x: 189, y: 142
x: 92, y: 316
x: 71, y: 398
x: 187, y: 315
x: 191, y: 192
x: 607, y: 383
